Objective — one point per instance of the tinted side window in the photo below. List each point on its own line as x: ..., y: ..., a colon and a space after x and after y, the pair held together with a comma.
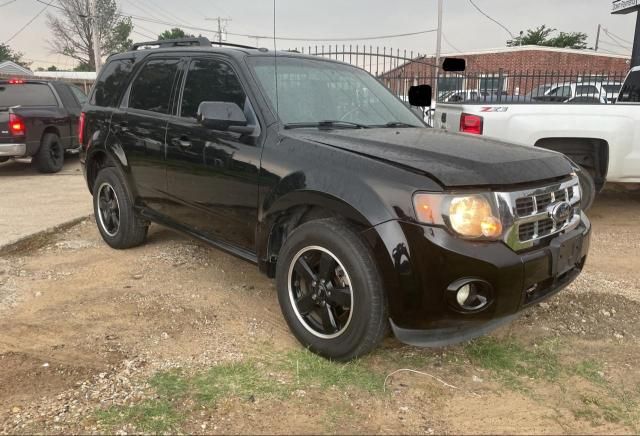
x: 114, y: 77
x: 586, y: 89
x: 210, y: 80
x: 68, y: 100
x: 151, y: 90
x: 630, y: 92
x: 79, y: 94
x: 26, y: 94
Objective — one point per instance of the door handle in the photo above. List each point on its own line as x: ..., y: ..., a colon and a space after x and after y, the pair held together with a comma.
x: 181, y: 142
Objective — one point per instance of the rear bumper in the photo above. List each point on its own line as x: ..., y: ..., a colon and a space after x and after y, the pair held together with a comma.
x: 13, y: 150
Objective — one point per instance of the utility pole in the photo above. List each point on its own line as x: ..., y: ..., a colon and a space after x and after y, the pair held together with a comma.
x: 438, y: 50
x: 598, y: 37
x: 221, y: 27
x: 93, y: 17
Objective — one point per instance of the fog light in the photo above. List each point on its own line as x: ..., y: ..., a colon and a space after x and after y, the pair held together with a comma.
x: 463, y: 294
x: 469, y: 295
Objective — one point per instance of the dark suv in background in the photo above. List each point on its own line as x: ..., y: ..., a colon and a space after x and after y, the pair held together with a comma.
x: 366, y: 217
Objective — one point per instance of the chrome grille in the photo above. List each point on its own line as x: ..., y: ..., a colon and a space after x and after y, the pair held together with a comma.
x: 530, y: 216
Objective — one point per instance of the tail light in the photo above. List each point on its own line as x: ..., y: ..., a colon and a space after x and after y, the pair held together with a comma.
x: 16, y: 125
x: 81, y: 128
x: 471, y: 124
x: 16, y: 81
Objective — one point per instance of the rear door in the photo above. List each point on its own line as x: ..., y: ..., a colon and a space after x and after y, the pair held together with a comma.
x: 73, y: 108
x: 139, y: 126
x: 212, y: 175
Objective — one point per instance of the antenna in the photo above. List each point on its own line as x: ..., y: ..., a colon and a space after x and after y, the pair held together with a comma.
x: 275, y: 58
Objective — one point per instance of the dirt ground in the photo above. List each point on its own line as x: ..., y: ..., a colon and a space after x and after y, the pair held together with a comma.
x: 176, y: 337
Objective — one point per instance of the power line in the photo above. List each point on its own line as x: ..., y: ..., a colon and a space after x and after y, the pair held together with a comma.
x: 615, y: 44
x: 7, y: 3
x: 492, y: 19
x: 29, y: 22
x: 613, y: 35
x: 446, y: 40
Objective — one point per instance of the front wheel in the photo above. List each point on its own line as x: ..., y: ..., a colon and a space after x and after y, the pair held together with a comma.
x: 114, y: 212
x: 588, y: 188
x: 330, y: 290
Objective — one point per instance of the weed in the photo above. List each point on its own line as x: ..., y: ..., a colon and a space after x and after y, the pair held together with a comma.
x: 155, y: 416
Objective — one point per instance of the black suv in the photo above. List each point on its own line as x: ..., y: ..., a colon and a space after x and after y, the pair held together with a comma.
x: 314, y: 171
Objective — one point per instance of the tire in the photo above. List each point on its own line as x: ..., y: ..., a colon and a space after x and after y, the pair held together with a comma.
x: 115, y: 216
x: 50, y: 155
x: 588, y: 188
x: 353, y: 294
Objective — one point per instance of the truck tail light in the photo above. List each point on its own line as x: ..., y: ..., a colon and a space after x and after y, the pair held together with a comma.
x: 16, y: 81
x: 16, y: 125
x: 471, y: 124
x: 81, y: 128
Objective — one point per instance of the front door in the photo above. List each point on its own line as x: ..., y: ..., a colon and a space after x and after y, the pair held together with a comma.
x: 212, y: 175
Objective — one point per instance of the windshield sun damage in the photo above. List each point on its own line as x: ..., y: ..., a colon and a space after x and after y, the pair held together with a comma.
x: 327, y: 94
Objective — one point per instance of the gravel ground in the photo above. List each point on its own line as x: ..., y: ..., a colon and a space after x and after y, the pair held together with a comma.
x: 86, y: 330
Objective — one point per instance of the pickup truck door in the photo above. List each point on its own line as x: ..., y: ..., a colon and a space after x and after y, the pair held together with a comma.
x: 212, y: 175
x: 139, y: 127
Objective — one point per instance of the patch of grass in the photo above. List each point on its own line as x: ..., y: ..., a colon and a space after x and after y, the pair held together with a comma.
x: 590, y: 370
x: 169, y: 384
x: 154, y: 416
x: 310, y: 370
x: 239, y: 380
x: 511, y: 361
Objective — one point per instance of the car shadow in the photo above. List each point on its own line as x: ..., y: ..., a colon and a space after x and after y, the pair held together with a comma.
x: 23, y: 167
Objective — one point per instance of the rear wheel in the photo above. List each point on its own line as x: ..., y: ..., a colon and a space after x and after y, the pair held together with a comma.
x: 114, y: 212
x: 330, y: 291
x: 50, y: 155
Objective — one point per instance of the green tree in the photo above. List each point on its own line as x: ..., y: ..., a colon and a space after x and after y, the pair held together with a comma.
x: 175, y: 33
x: 52, y: 68
x: 8, y: 54
x: 542, y: 35
x: 72, y: 34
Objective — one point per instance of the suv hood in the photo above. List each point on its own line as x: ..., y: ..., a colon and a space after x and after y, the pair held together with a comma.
x: 455, y: 160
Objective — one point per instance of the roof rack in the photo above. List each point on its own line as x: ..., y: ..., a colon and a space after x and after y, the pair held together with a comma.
x: 185, y: 42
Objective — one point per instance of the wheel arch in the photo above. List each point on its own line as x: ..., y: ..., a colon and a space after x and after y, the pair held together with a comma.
x: 293, y: 210
x: 49, y: 129
x: 591, y: 153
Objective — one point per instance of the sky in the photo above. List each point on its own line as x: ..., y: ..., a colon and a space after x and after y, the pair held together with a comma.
x: 464, y: 28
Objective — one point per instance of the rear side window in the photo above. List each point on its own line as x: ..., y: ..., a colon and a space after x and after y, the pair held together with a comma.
x: 26, y: 94
x: 586, y: 89
x: 630, y: 92
x: 210, y: 80
x: 151, y: 90
x: 79, y: 94
x: 114, y: 77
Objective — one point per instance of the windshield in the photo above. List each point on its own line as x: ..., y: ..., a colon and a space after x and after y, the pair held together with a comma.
x: 311, y: 91
x: 26, y: 94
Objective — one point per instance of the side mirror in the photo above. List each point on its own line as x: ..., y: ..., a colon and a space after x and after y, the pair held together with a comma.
x: 222, y: 115
x: 420, y: 96
x: 454, y: 65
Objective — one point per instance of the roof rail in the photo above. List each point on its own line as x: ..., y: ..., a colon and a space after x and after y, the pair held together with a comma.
x: 186, y: 42
x: 163, y: 43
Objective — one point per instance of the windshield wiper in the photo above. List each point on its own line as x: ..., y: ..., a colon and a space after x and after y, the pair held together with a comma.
x: 326, y: 124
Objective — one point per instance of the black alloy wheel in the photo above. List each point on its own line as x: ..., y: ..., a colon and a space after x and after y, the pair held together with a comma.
x: 320, y: 292
x: 109, y: 209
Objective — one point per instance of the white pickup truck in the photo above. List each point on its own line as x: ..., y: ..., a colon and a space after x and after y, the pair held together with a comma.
x: 603, y: 139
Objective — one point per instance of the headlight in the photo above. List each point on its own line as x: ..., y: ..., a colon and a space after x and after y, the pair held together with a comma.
x: 471, y: 216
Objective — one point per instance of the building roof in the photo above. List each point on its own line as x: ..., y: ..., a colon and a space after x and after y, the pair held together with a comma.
x: 71, y: 75
x: 9, y: 67
x: 536, y: 48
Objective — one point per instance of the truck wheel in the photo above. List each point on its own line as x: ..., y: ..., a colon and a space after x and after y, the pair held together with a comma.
x: 50, y: 156
x: 330, y: 290
x: 588, y: 188
x: 114, y: 212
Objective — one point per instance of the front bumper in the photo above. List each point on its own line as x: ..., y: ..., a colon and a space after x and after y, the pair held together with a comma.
x: 13, y: 150
x: 419, y: 262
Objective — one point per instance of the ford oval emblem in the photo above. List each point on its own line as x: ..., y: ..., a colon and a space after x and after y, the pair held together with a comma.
x: 561, y: 212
